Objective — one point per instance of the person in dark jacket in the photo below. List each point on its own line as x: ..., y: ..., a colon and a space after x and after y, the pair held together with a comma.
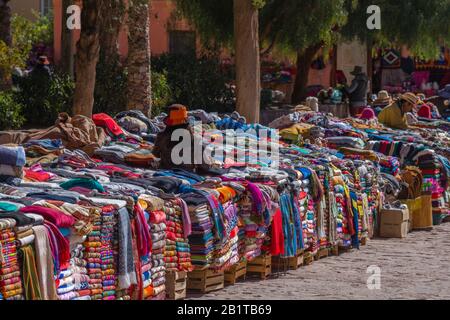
x: 177, y: 119
x: 357, y: 91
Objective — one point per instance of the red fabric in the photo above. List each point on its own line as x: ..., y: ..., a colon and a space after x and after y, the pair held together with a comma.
x: 63, y: 246
x: 54, y: 216
x: 424, y: 112
x: 277, y: 245
x: 157, y: 217
x: 105, y: 121
x: 142, y: 233
x: 37, y: 176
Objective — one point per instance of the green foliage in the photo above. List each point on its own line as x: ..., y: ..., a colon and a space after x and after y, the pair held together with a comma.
x: 196, y: 82
x: 161, y: 93
x: 11, y: 112
x: 25, y: 33
x: 298, y: 24
x: 110, y: 88
x: 422, y: 25
x: 43, y: 98
x: 212, y: 19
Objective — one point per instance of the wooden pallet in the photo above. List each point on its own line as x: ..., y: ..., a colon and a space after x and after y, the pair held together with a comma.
x: 260, y: 266
x: 343, y: 249
x: 292, y: 263
x: 176, y: 285
x: 236, y: 272
x: 334, y: 250
x: 308, y: 258
x: 322, y: 253
x: 205, y: 280
x: 363, y: 241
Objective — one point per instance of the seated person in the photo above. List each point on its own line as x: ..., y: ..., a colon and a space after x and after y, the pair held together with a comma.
x: 394, y: 115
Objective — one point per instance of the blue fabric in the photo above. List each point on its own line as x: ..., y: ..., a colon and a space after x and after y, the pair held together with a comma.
x: 48, y: 144
x: 355, y: 237
x: 13, y: 156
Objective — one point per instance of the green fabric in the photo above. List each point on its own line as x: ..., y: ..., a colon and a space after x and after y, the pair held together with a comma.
x: 8, y: 207
x: 84, y: 183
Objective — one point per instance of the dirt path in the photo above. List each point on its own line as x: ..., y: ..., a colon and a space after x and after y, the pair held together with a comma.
x: 417, y: 267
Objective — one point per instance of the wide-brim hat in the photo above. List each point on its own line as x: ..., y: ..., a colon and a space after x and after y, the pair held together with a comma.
x: 445, y: 93
x: 410, y: 97
x: 357, y: 70
x: 383, y: 98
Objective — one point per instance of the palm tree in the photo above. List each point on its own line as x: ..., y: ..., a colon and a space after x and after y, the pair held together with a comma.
x: 88, y: 48
x: 139, y: 54
x: 248, y: 83
x: 5, y: 22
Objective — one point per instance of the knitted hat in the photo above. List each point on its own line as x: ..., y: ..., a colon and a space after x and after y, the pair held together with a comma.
x: 367, y: 114
x: 177, y: 115
x: 424, y: 112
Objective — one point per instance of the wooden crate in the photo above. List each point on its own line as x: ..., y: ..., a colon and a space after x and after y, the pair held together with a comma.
x: 308, y: 258
x: 176, y: 285
x: 291, y: 263
x: 205, y: 280
x: 343, y: 249
x: 322, y: 253
x: 236, y: 272
x: 334, y: 250
x: 363, y: 241
x: 260, y: 266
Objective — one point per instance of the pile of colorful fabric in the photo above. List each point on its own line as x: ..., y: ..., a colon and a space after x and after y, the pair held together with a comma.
x: 10, y: 270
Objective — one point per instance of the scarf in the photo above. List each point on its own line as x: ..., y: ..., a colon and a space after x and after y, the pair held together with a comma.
x: 44, y: 264
x: 30, y: 274
x: 127, y: 274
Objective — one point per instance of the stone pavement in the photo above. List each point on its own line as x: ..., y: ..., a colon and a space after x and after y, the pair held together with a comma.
x: 417, y: 267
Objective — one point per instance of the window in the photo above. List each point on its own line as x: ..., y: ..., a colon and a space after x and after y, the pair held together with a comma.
x: 182, y: 42
x: 46, y: 7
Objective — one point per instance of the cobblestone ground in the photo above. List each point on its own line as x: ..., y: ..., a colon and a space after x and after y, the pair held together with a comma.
x: 417, y: 267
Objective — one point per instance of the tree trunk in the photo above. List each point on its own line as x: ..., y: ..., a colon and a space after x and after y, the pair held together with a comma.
x: 67, y: 54
x: 139, y: 54
x: 248, y: 79
x: 5, y: 22
x: 87, y: 57
x: 109, y: 32
x: 304, y: 61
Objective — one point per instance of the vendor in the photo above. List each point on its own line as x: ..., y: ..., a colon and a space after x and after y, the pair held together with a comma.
x: 358, y: 91
x: 177, y: 119
x: 394, y: 116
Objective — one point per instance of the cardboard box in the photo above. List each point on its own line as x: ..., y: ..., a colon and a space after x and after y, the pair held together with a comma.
x: 394, y: 223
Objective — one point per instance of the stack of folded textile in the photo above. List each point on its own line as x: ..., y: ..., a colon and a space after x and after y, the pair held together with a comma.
x: 80, y: 274
x: 339, y: 209
x: 65, y: 285
x: 142, y: 230
x: 158, y: 270
x: 251, y: 250
x: 390, y: 165
x: 12, y: 161
x: 107, y: 254
x: 201, y: 239
x: 177, y: 255
x: 227, y: 254
x: 92, y: 256
x: 10, y: 275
